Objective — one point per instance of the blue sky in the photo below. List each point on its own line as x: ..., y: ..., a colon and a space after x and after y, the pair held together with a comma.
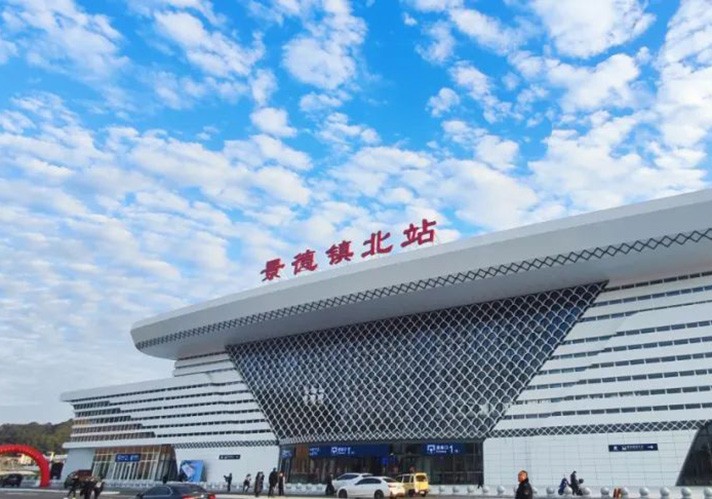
x: 156, y: 153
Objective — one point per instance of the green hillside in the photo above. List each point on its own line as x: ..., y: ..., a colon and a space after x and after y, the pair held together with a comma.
x: 45, y: 437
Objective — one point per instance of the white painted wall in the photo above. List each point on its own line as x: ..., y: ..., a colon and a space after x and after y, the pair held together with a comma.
x: 252, y: 460
x: 549, y: 458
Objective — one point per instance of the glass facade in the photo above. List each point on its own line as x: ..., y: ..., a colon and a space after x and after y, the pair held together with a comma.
x: 135, y: 463
x: 451, y: 463
x: 447, y: 375
x: 698, y: 466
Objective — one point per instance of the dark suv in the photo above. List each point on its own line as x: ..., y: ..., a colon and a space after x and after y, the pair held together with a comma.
x: 11, y: 480
x: 82, y: 475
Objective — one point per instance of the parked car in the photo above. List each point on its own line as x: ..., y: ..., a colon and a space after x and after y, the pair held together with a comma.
x: 377, y: 487
x: 82, y: 475
x: 11, y: 480
x: 348, y: 479
x: 176, y: 491
x: 415, y: 483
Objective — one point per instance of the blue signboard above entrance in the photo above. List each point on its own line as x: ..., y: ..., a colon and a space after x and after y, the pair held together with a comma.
x: 127, y: 458
x: 348, y: 451
x: 631, y: 447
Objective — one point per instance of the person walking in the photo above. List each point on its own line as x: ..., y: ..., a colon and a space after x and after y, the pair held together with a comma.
x: 272, y: 479
x: 74, y: 484
x: 280, y: 483
x: 562, y: 485
x: 228, y: 481
x: 259, y: 483
x: 574, y: 483
x: 165, y: 479
x: 98, y: 487
x: 246, y: 484
x: 330, y: 485
x: 88, y: 487
x: 524, y: 490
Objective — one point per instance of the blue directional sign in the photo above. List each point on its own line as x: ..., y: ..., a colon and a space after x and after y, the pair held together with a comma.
x: 127, y: 458
x: 443, y: 449
x: 631, y: 447
x: 348, y: 451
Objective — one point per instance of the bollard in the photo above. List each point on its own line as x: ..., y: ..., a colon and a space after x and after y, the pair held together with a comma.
x: 624, y: 492
x: 605, y: 492
x: 707, y: 492
x: 455, y: 489
x: 550, y: 492
x: 535, y: 492
x: 644, y: 492
x: 586, y: 492
x: 664, y: 493
x: 568, y: 491
x: 485, y: 490
x: 686, y: 493
x: 471, y: 490
x: 500, y: 490
x: 441, y: 489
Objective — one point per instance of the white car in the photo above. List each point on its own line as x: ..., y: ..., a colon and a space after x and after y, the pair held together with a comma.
x: 377, y: 487
x: 348, y: 479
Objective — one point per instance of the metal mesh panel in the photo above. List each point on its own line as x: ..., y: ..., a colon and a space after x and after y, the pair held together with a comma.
x: 448, y: 374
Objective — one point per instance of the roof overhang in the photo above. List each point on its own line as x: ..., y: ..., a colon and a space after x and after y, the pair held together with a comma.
x: 619, y: 244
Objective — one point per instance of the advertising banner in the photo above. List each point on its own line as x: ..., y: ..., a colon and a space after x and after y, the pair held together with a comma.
x: 191, y: 471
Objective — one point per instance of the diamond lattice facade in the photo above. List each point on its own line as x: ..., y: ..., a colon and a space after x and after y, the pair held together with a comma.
x: 583, y: 343
x: 447, y: 374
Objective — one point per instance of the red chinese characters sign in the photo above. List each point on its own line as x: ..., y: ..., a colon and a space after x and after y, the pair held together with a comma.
x: 377, y: 244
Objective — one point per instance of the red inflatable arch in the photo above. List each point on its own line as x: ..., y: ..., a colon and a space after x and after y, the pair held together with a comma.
x: 36, y: 456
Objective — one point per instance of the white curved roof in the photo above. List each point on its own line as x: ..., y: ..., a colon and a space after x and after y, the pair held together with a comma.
x: 618, y: 244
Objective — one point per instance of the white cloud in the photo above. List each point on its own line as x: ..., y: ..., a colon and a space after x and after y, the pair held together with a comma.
x: 435, y: 5
x: 479, y: 87
x: 337, y: 131
x: 7, y: 49
x: 471, y: 79
x: 445, y: 99
x: 318, y: 102
x: 599, y: 169
x: 585, y: 29
x: 62, y: 37
x: 491, y: 149
x: 263, y: 149
x: 485, y: 30
x: 608, y: 84
x: 605, y: 85
x: 183, y: 92
x: 202, y: 7
x: 263, y: 85
x: 461, y: 133
x: 684, y: 98
x: 486, y: 197
x: 326, y: 56
x: 409, y: 20
x: 442, y: 44
x: 273, y: 121
x: 496, y: 152
x: 213, y: 52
